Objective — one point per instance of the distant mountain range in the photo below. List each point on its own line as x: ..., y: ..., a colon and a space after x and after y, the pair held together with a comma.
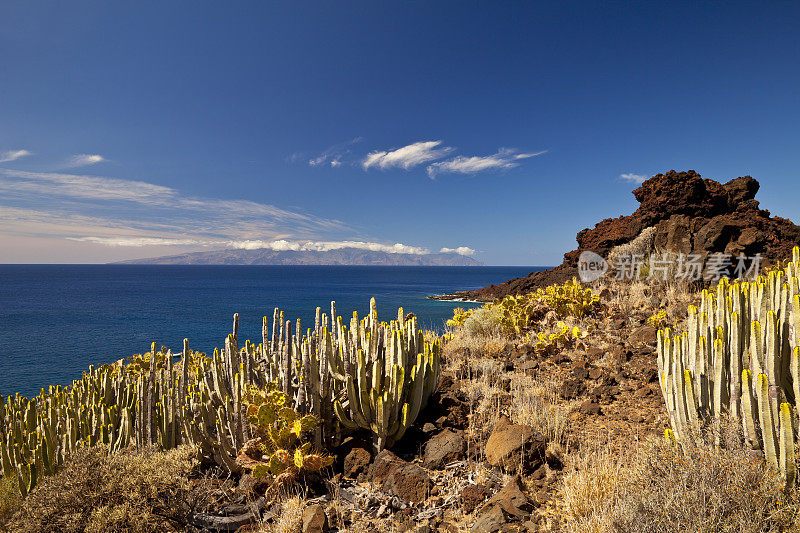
x: 344, y: 256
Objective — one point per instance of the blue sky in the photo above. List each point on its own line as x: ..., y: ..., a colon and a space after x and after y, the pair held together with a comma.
x: 151, y: 128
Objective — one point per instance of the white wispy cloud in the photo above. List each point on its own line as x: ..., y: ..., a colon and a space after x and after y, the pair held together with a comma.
x: 143, y: 210
x: 84, y: 160
x: 505, y: 158
x: 85, y: 187
x: 634, y: 178
x: 461, y: 250
x: 118, y: 213
x: 56, y: 224
x: 333, y: 155
x: 13, y: 155
x: 139, y: 242
x: 407, y: 157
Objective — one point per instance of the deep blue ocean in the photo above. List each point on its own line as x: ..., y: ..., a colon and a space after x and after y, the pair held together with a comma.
x: 56, y: 320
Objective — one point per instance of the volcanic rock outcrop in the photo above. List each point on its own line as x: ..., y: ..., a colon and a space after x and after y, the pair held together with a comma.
x: 690, y: 214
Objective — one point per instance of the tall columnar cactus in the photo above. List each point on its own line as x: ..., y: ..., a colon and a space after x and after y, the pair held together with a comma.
x: 739, y: 357
x: 373, y: 375
x: 395, y: 373
x: 37, y: 435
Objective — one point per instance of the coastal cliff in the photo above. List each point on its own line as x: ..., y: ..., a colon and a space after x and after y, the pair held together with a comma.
x: 689, y: 214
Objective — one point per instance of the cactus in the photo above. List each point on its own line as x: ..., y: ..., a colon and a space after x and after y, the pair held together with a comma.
x: 741, y: 330
x: 200, y: 400
x: 519, y: 312
x: 563, y: 336
x: 277, y: 448
x: 395, y: 373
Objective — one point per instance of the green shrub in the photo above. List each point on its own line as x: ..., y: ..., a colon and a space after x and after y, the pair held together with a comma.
x: 483, y: 322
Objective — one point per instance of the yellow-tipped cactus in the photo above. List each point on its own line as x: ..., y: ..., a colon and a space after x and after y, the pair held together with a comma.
x: 742, y: 330
x: 395, y: 371
x: 155, y: 399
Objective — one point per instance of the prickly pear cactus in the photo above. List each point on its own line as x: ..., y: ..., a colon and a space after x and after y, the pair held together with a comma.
x: 279, y: 446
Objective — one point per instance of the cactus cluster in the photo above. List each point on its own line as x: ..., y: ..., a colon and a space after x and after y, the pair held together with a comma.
x: 658, y: 320
x: 389, y: 372
x: 518, y: 313
x: 569, y: 299
x: 460, y: 315
x: 37, y: 435
x: 739, y: 358
x: 372, y: 375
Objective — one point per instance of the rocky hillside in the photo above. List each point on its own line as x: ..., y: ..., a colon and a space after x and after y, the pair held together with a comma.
x: 690, y: 214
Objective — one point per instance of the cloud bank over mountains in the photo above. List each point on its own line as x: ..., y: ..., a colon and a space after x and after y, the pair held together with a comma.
x: 63, y: 207
x: 280, y: 245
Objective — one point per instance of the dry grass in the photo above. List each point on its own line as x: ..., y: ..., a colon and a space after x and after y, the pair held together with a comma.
x: 657, y: 488
x: 641, y: 246
x: 477, y: 346
x: 10, y: 498
x: 290, y: 519
x: 626, y: 296
x: 485, y: 392
x: 476, y: 355
x: 493, y: 392
x: 647, y: 297
x: 97, y: 492
x: 536, y: 404
x: 679, y: 298
x: 590, y: 492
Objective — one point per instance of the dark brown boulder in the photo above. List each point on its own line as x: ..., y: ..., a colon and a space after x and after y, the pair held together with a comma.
x: 512, y: 499
x: 510, y: 504
x: 383, y: 465
x: 490, y: 521
x: 741, y: 190
x: 356, y: 462
x: 679, y: 193
x: 314, y: 519
x: 445, y: 447
x: 674, y: 234
x: 401, y: 478
x: 643, y: 335
x: 514, y: 447
x: 472, y: 496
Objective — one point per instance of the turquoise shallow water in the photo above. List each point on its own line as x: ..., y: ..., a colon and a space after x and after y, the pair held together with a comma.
x: 56, y: 320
